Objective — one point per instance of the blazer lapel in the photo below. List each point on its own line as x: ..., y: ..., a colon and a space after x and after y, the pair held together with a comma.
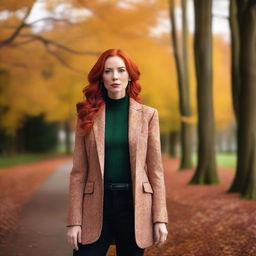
x: 135, y: 122
x: 134, y: 126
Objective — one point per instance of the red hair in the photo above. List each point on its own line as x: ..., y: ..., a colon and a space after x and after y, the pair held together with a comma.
x: 95, y: 92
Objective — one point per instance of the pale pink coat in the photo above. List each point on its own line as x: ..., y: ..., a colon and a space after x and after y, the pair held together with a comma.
x: 85, y: 198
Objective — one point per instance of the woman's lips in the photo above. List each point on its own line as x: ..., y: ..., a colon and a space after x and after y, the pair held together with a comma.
x: 115, y: 85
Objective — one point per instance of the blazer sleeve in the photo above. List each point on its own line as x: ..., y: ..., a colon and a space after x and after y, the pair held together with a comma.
x: 77, y: 181
x: 156, y: 171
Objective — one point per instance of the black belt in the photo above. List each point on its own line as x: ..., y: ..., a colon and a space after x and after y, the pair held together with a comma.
x: 117, y: 186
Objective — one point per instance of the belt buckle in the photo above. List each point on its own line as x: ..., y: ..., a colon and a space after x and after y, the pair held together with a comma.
x: 112, y: 186
x: 118, y: 186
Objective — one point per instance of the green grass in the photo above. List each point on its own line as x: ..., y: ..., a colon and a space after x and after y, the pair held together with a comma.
x: 7, y: 161
x: 223, y: 159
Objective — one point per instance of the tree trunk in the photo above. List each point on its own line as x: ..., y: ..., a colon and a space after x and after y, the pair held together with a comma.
x: 183, y: 86
x: 235, y: 46
x: 206, y: 167
x: 245, y: 178
x: 174, y: 139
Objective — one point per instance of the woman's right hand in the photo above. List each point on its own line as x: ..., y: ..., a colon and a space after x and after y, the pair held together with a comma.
x: 74, y: 235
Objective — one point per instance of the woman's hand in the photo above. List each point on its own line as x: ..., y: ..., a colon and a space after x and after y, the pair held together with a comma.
x: 160, y: 233
x: 74, y: 235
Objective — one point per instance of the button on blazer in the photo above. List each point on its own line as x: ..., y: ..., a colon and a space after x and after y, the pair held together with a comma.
x: 86, y: 182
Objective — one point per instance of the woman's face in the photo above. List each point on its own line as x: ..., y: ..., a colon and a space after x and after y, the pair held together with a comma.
x: 115, y: 77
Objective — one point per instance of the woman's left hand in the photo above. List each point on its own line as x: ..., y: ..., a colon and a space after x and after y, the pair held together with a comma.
x: 160, y: 233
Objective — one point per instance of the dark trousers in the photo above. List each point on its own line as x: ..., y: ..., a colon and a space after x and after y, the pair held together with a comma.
x: 118, y: 223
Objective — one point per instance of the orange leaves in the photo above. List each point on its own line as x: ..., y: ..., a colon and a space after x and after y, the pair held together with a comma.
x: 36, y: 74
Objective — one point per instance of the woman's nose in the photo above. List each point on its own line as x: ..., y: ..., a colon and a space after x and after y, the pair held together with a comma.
x: 115, y: 75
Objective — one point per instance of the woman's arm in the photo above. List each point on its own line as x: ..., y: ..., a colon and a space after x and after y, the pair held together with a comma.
x: 156, y: 171
x: 156, y: 178
x: 77, y: 181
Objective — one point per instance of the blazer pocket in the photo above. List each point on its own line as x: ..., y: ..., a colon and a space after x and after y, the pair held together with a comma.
x: 89, y: 187
x: 147, y: 187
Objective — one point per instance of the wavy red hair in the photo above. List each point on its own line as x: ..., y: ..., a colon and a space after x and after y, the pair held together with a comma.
x: 95, y: 92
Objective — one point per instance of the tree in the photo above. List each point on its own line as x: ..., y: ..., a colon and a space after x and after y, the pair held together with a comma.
x: 21, y: 34
x: 39, y: 84
x: 206, y: 167
x: 235, y: 46
x: 245, y: 179
x: 16, y: 38
x: 181, y: 61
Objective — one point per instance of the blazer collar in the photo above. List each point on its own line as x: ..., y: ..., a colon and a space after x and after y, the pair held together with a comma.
x: 134, y: 126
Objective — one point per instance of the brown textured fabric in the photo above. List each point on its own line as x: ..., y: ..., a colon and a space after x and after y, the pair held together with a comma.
x: 85, y: 198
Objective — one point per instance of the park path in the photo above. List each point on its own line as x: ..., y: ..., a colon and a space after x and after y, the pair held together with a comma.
x: 203, y: 220
x: 41, y: 229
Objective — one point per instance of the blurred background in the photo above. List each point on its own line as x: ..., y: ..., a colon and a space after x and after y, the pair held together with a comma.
x: 197, y: 61
x: 48, y: 48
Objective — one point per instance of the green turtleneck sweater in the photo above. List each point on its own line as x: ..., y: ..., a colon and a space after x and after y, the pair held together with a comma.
x: 117, y: 160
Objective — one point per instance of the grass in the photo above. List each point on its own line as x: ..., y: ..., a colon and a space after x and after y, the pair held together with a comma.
x: 223, y: 159
x: 7, y: 161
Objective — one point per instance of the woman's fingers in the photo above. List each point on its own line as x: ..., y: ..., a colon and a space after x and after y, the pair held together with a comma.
x: 74, y: 236
x: 75, y: 246
x: 69, y: 241
x: 163, y: 237
x: 79, y: 236
x: 160, y: 234
x: 156, y: 235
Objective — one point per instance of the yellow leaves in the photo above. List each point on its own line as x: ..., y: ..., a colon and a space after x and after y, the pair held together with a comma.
x: 14, y: 5
x: 189, y: 119
x: 40, y: 83
x: 10, y: 121
x: 43, y: 77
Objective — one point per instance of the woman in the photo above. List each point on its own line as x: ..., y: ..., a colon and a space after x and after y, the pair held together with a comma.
x: 117, y: 189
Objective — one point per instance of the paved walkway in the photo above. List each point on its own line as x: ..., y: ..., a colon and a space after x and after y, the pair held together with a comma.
x: 41, y: 230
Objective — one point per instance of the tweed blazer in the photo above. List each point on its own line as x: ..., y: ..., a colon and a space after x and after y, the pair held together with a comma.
x: 86, y: 181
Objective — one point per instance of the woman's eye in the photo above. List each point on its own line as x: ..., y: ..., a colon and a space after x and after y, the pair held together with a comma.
x: 120, y: 70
